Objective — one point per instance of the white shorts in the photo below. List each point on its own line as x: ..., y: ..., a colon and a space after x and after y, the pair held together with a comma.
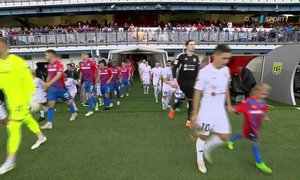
x: 3, y: 112
x: 157, y: 85
x: 146, y: 80
x: 209, y: 122
x: 73, y: 94
x: 41, y: 98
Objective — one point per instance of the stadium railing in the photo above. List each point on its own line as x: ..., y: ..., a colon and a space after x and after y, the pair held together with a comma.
x: 141, y: 37
x: 12, y: 3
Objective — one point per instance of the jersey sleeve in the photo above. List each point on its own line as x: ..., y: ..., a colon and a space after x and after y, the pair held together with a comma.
x: 60, y: 67
x: 177, y: 64
x: 200, y: 81
x: 240, y: 108
x: 95, y: 67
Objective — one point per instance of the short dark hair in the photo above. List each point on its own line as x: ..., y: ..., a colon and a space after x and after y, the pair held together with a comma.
x: 169, y: 61
x: 51, y: 51
x: 222, y: 48
x: 86, y: 53
x: 103, y: 62
x: 188, y: 42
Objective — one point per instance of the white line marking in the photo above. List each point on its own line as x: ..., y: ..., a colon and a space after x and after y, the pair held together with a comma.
x: 298, y: 108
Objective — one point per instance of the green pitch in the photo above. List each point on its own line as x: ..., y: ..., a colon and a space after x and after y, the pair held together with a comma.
x: 138, y: 141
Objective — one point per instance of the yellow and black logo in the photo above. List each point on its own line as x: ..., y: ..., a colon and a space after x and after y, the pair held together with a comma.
x: 277, y: 67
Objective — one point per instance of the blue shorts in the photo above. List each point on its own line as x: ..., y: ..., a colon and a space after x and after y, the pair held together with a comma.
x: 105, y: 89
x: 89, y: 88
x: 55, y: 94
x: 114, y: 87
x: 125, y: 82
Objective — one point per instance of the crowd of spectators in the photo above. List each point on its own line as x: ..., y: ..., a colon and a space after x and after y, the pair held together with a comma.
x: 275, y: 31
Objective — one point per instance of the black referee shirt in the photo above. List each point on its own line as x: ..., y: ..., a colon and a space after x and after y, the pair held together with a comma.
x: 186, y: 69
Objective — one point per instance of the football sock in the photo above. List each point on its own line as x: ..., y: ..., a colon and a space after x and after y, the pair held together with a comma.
x: 72, y: 108
x: 10, y: 160
x: 213, y: 142
x: 50, y: 115
x: 256, y: 153
x: 199, y: 149
x: 74, y: 105
x: 235, y: 137
x: 91, y: 104
x: 42, y: 112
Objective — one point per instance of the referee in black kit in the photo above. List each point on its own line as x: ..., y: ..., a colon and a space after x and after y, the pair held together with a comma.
x: 185, y: 71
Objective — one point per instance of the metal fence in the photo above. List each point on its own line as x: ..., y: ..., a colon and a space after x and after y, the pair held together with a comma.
x: 125, y: 38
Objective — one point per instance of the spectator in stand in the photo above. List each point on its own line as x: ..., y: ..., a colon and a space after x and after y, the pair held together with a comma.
x: 131, y: 28
x: 199, y: 27
x: 229, y: 24
x: 126, y: 27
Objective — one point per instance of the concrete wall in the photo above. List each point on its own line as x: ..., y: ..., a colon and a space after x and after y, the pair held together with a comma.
x: 256, y: 67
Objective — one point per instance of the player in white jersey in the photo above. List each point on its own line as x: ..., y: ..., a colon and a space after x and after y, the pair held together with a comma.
x: 71, y: 85
x: 156, y: 73
x: 141, y: 66
x: 3, y: 112
x: 209, y: 113
x: 146, y: 77
x: 40, y: 95
x: 167, y: 89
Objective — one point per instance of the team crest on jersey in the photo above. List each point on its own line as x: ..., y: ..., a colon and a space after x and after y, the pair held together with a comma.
x: 54, y: 65
x: 194, y: 60
x: 225, y: 75
x: 186, y: 59
x: 7, y: 64
x: 88, y: 64
x: 277, y: 66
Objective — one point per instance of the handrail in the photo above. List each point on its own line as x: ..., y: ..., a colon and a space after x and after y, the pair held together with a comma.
x: 14, y: 3
x: 139, y: 37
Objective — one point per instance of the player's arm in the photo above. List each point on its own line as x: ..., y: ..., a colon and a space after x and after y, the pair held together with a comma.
x: 110, y: 76
x: 129, y: 74
x: 198, y: 93
x: 196, y: 103
x: 228, y: 101
x: 52, y: 81
x: 177, y: 64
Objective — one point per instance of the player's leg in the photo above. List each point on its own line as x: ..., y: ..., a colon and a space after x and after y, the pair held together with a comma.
x: 233, y: 139
x: 117, y: 89
x: 52, y: 98
x: 147, y: 85
x: 155, y: 91
x: 99, y: 94
x: 175, y: 106
x: 128, y: 87
x: 189, y: 95
x: 258, y: 160
x: 73, y: 95
x: 204, y: 122
x: 122, y: 88
x: 14, y: 128
x: 222, y: 129
x: 3, y: 114
x: 33, y: 126
x: 88, y: 91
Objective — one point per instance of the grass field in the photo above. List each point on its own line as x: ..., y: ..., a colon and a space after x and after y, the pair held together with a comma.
x: 137, y: 141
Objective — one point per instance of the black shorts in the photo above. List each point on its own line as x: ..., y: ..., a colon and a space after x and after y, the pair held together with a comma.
x: 188, y: 91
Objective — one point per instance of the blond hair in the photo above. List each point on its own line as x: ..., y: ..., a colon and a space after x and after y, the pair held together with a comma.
x: 261, y: 86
